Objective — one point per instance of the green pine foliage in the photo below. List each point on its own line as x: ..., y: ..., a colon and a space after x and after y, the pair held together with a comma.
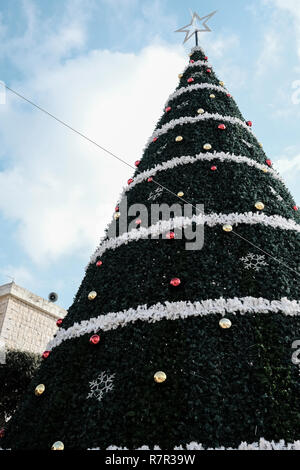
x: 223, y: 387
x: 15, y: 376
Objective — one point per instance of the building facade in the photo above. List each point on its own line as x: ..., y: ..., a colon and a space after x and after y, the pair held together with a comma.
x: 27, y: 321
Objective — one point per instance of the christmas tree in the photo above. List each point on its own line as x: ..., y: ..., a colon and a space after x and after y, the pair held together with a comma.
x: 172, y: 344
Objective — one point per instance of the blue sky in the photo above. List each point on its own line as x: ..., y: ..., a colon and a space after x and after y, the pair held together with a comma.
x: 106, y: 67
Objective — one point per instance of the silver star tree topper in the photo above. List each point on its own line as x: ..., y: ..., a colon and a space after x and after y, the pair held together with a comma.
x: 194, y: 27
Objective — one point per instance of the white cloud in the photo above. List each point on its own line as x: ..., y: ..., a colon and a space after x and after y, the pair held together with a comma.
x: 60, y: 188
x: 289, y: 166
x: 221, y: 44
x: 281, y: 30
x: 291, y: 22
x: 269, y: 56
x: 292, y: 6
x: 276, y: 70
x: 137, y: 22
x: 20, y: 274
x: 46, y: 40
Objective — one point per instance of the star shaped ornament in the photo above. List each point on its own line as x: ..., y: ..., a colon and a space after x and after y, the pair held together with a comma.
x: 195, y: 25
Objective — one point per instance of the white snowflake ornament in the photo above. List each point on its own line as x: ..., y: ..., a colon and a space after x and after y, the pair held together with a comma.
x: 101, y: 385
x: 182, y: 105
x: 155, y: 194
x: 255, y: 262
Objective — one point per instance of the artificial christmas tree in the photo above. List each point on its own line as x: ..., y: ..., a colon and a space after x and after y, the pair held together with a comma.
x: 170, y: 346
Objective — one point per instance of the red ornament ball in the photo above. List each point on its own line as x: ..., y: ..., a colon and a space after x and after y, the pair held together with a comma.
x: 117, y: 209
x: 150, y: 179
x: 208, y: 70
x: 175, y: 281
x: 170, y: 235
x: 190, y: 80
x: 295, y: 208
x: 168, y: 109
x: 137, y: 162
x: 45, y: 354
x: 229, y: 95
x: 222, y: 127
x: 130, y: 181
x: 138, y: 221
x: 94, y: 339
x: 249, y: 123
x: 268, y: 162
x: 99, y: 263
x: 192, y: 61
x: 59, y: 322
x: 2, y: 432
x: 213, y: 168
x: 206, y: 58
x: 154, y: 139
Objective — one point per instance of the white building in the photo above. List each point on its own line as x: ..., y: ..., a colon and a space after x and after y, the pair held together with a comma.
x: 27, y: 321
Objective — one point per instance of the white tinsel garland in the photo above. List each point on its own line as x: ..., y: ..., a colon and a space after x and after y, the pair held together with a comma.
x: 197, y: 48
x: 174, y: 311
x: 197, y: 63
x: 207, y: 156
x: 262, y: 444
x: 223, y: 156
x: 196, y: 86
x: 194, y: 120
x: 275, y: 221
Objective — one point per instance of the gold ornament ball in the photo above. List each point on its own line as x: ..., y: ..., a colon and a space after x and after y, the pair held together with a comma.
x: 116, y: 215
x: 259, y: 205
x: 222, y: 83
x: 190, y: 54
x: 180, y: 194
x: 207, y: 147
x: 200, y: 111
x: 227, y: 228
x: 179, y: 138
x: 39, y: 389
x: 180, y: 75
x: 160, y: 377
x: 92, y: 295
x: 260, y: 144
x: 58, y: 445
x: 225, y: 323
x: 212, y: 96
x: 265, y: 170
